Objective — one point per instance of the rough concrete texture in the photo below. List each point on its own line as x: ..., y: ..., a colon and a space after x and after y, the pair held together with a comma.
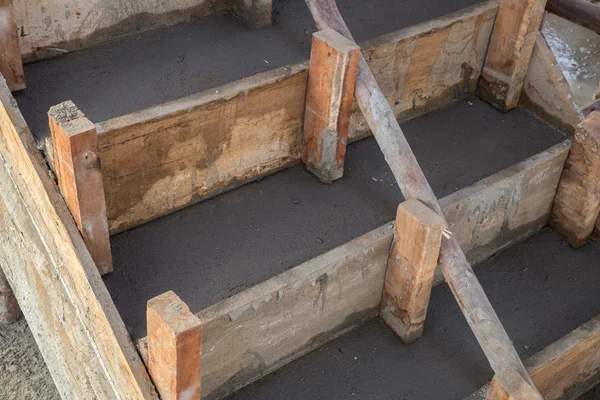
x: 541, y: 289
x: 217, y: 248
x: 147, y: 69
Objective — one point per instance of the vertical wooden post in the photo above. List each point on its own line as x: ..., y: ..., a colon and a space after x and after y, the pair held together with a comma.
x: 509, y: 52
x: 9, y: 308
x: 174, y: 348
x: 79, y: 174
x: 329, y: 96
x: 577, y: 202
x: 411, y: 265
x: 11, y: 65
x: 256, y: 14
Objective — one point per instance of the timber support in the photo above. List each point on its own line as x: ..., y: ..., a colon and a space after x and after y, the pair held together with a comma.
x: 329, y: 96
x: 11, y: 65
x: 410, y: 269
x: 77, y: 166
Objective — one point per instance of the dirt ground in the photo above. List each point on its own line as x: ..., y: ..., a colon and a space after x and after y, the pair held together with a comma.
x: 23, y: 374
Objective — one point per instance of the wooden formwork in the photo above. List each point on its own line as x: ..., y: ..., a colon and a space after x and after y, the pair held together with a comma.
x: 160, y: 160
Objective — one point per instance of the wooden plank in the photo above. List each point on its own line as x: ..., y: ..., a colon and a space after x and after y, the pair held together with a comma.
x: 219, y: 139
x: 546, y: 90
x: 9, y: 308
x: 174, y: 348
x: 71, y: 314
x: 256, y: 14
x: 581, y: 12
x: 567, y: 363
x: 509, y: 52
x: 11, y: 65
x: 329, y: 96
x: 577, y: 202
x: 79, y: 174
x: 410, y: 268
x: 257, y: 331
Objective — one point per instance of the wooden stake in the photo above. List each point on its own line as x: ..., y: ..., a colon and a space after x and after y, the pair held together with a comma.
x: 174, y: 348
x: 577, y: 201
x: 329, y: 96
x: 562, y: 365
x: 9, y: 308
x: 79, y: 174
x: 11, y: 65
x: 467, y: 290
x: 511, y: 45
x: 411, y: 265
x: 256, y: 14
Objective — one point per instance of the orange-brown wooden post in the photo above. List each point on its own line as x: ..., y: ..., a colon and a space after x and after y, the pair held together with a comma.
x: 77, y: 166
x: 9, y: 308
x: 577, y: 202
x: 11, y: 65
x: 329, y: 96
x: 174, y: 348
x: 256, y: 14
x: 509, y: 51
x: 411, y: 265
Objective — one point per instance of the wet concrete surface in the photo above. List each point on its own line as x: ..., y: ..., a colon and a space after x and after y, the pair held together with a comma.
x: 154, y: 67
x: 541, y: 289
x: 217, y: 248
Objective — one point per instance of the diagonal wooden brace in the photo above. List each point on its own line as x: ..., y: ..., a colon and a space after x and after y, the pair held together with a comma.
x: 467, y: 290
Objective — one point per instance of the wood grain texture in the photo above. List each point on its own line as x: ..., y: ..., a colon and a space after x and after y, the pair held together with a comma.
x: 255, y: 14
x: 577, y: 203
x: 174, y: 348
x: 329, y: 96
x: 11, y: 65
x: 261, y: 329
x: 167, y: 157
x: 72, y: 317
x: 567, y: 363
x: 77, y: 167
x: 546, y: 90
x: 9, y: 308
x: 410, y: 268
x: 509, y: 52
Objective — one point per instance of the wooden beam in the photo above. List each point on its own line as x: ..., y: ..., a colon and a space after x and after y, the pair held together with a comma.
x: 256, y: 14
x: 577, y: 202
x: 174, y: 348
x: 410, y: 269
x: 77, y: 167
x: 580, y: 12
x: 409, y: 176
x: 511, y: 45
x: 546, y: 90
x: 563, y: 365
x: 11, y: 65
x: 9, y: 308
x: 329, y: 96
x: 67, y: 306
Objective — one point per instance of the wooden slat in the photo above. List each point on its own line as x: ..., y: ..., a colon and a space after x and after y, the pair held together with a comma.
x: 410, y: 268
x: 329, y: 96
x: 9, y: 308
x: 167, y: 157
x: 73, y: 319
x: 256, y: 14
x: 11, y: 65
x: 174, y: 348
x: 577, y: 202
x: 340, y: 289
x: 77, y: 167
x: 509, y: 52
x: 546, y: 90
x: 567, y: 363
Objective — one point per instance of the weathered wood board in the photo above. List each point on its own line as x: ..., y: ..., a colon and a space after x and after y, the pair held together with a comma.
x: 167, y: 157
x: 259, y: 330
x: 546, y: 90
x: 69, y: 310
